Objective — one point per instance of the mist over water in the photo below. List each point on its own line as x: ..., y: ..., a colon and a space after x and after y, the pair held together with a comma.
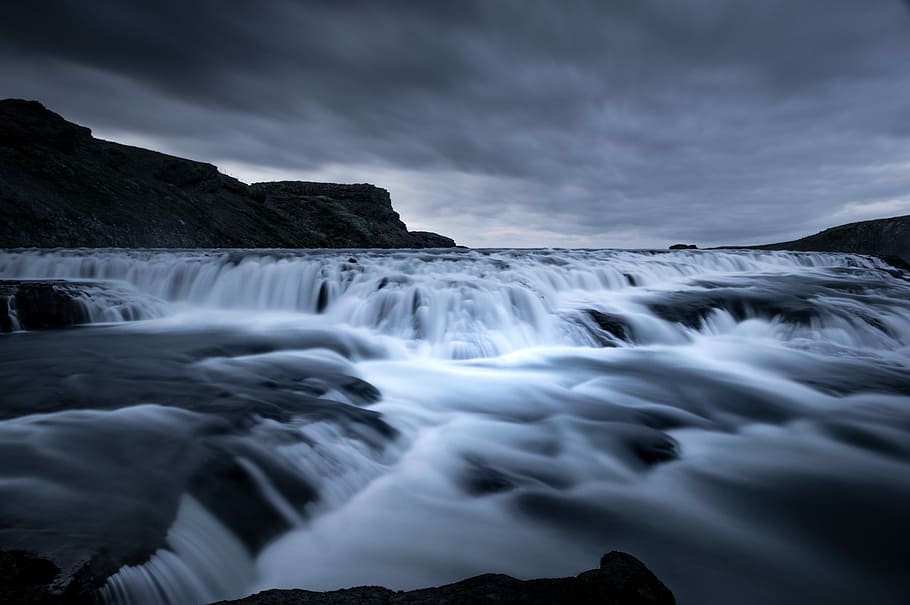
x: 740, y: 421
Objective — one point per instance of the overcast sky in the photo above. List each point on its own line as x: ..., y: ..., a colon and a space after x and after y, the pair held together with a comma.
x: 628, y: 123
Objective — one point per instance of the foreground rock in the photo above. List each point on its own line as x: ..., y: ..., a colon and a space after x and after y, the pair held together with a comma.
x: 30, y: 580
x: 621, y: 580
x: 886, y: 237
x: 61, y: 187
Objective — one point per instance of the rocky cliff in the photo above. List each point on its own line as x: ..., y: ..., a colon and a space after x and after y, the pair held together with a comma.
x: 61, y: 187
x: 885, y: 237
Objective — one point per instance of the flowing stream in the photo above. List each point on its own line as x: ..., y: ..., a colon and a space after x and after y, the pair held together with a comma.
x: 738, y: 420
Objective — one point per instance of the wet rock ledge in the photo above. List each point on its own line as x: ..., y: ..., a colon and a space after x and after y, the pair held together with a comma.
x: 37, y: 305
x: 621, y: 579
x: 50, y: 304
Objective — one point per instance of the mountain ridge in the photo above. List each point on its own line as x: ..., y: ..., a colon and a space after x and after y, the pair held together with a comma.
x: 61, y: 187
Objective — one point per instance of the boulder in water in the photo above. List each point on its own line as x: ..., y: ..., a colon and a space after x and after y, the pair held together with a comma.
x: 30, y: 305
x: 609, y: 323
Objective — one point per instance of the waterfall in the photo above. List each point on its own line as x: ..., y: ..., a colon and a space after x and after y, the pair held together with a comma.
x: 458, y: 304
x: 323, y: 419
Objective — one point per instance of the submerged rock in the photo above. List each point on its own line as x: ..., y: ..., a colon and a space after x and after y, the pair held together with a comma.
x: 621, y: 579
x: 609, y: 323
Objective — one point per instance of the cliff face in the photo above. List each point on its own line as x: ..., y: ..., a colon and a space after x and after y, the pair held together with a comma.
x: 886, y: 237
x: 61, y: 187
x: 347, y: 216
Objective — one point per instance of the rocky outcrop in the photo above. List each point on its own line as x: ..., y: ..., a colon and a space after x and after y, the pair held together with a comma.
x: 344, y: 216
x: 621, y: 579
x: 61, y: 187
x: 613, y: 325
x: 31, y: 580
x: 35, y: 304
x: 28, y: 305
x: 683, y: 247
x: 26, y: 578
x: 885, y: 237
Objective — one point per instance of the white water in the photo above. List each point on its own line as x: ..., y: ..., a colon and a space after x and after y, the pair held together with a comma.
x: 203, y: 563
x: 744, y: 430
x: 456, y: 304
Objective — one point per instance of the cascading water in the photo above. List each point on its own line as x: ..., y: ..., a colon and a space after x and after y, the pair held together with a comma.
x: 473, y: 304
x: 737, y: 419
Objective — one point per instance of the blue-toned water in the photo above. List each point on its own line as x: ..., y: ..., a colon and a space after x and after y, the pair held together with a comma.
x: 738, y: 420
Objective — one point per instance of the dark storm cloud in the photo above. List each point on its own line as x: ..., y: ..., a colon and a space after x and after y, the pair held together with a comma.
x: 531, y: 123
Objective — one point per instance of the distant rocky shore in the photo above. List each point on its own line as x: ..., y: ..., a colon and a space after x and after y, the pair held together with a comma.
x: 61, y: 187
x: 886, y: 238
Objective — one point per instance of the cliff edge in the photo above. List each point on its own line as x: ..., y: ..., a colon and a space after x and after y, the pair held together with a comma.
x: 61, y: 187
x: 884, y: 237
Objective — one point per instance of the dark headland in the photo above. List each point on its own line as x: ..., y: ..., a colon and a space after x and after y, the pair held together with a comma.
x: 886, y: 238
x: 61, y: 187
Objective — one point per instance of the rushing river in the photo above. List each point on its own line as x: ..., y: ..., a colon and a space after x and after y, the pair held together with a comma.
x: 740, y: 421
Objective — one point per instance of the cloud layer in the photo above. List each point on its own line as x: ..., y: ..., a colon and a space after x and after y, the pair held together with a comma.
x: 508, y: 123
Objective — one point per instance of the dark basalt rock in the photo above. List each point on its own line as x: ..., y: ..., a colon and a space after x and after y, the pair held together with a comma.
x: 654, y: 447
x: 28, y: 305
x: 683, y: 247
x: 428, y: 239
x: 884, y: 237
x: 611, y: 324
x: 60, y: 187
x: 482, y: 479
x: 26, y: 579
x: 898, y: 263
x: 621, y: 580
x: 49, y: 304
